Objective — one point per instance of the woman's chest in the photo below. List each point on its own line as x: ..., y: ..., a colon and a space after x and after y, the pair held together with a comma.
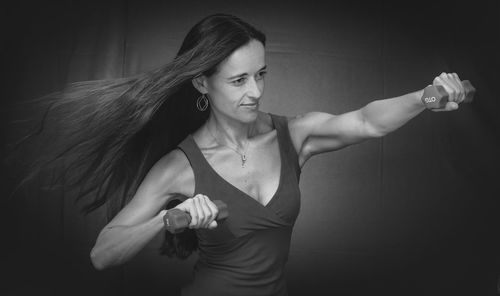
x: 257, y: 173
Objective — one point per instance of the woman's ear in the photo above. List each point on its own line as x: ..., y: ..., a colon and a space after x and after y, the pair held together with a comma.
x: 200, y: 83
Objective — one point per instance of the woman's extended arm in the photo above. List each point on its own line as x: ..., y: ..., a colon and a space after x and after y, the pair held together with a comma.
x: 318, y: 132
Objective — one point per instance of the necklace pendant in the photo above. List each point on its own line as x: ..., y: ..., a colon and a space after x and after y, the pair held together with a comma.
x: 243, y: 160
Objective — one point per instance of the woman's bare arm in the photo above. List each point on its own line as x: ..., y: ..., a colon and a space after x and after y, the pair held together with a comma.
x: 142, y: 218
x: 318, y: 132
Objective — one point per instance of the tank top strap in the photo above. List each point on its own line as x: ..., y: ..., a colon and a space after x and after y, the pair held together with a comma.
x: 197, y: 162
x: 286, y: 145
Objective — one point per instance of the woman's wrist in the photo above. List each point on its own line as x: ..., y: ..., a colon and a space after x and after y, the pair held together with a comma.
x: 420, y: 94
x: 161, y: 216
x: 418, y: 97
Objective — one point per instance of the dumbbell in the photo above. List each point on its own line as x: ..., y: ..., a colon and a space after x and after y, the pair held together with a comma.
x: 436, y: 97
x: 176, y: 220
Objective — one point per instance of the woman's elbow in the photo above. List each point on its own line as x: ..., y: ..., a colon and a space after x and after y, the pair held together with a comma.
x: 99, y: 261
x: 96, y: 260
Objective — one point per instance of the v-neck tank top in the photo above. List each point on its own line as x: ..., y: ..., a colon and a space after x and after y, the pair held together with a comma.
x: 247, y: 252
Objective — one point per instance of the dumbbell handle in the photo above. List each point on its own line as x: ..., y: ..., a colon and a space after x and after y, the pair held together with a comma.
x: 436, y: 97
x: 176, y: 220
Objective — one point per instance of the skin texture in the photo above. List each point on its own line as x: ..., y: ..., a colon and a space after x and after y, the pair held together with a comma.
x: 236, y: 126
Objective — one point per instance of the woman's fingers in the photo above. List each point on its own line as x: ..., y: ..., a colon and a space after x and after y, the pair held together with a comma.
x: 212, y: 225
x: 453, y: 86
x: 206, y: 213
x: 457, y: 83
x: 450, y: 106
x: 213, y: 209
x: 210, y: 211
x: 451, y: 89
x: 196, y: 213
x: 202, y: 211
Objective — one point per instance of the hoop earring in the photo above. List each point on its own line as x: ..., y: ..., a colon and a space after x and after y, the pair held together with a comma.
x: 202, y: 103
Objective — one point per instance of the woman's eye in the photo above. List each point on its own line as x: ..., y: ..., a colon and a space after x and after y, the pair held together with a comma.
x: 242, y: 80
x: 239, y: 81
x: 261, y: 75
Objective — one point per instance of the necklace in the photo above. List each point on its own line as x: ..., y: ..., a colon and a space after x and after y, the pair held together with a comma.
x: 242, y: 155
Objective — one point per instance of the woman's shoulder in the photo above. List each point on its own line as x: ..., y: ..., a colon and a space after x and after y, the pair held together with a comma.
x: 288, y: 119
x: 297, y: 129
x: 297, y: 124
x: 266, y: 121
x: 269, y: 122
x: 173, y: 173
x: 174, y: 160
x: 291, y: 121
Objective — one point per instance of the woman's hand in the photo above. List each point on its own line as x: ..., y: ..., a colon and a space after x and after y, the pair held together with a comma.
x: 455, y: 89
x: 202, y: 210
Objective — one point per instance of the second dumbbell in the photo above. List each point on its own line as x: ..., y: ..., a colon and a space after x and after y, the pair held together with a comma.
x: 436, y: 97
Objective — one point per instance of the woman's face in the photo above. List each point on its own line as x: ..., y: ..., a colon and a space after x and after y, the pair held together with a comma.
x: 235, y: 89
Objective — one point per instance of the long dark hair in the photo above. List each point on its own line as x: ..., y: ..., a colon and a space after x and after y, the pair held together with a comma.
x: 111, y: 132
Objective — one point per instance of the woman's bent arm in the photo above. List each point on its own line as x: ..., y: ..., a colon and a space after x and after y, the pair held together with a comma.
x: 117, y: 244
x: 142, y: 218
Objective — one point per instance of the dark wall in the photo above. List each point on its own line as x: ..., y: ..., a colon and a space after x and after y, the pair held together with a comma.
x: 413, y: 213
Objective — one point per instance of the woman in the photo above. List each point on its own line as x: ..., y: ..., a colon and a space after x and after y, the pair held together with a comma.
x: 193, y: 129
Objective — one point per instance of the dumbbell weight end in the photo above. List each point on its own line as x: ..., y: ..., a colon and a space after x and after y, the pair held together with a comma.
x: 436, y: 97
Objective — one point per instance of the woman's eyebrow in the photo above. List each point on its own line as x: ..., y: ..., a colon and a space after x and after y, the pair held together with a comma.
x: 244, y: 74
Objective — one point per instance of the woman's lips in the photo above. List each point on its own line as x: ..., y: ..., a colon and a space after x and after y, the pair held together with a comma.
x: 253, y: 106
x: 250, y: 104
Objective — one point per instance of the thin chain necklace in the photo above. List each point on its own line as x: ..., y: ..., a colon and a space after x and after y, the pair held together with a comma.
x: 242, y: 155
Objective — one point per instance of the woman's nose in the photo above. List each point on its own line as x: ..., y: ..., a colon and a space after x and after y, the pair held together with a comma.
x: 255, y: 88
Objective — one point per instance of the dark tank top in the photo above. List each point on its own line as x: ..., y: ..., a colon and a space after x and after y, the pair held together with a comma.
x: 247, y: 252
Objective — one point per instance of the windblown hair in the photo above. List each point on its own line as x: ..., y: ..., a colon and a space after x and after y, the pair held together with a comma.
x: 111, y: 132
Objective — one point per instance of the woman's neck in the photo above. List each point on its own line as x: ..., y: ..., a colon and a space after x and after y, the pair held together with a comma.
x: 229, y: 131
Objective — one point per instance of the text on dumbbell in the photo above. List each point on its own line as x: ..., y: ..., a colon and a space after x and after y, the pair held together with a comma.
x: 429, y: 99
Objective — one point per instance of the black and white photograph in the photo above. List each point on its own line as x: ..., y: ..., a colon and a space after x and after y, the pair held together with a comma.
x: 250, y: 148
